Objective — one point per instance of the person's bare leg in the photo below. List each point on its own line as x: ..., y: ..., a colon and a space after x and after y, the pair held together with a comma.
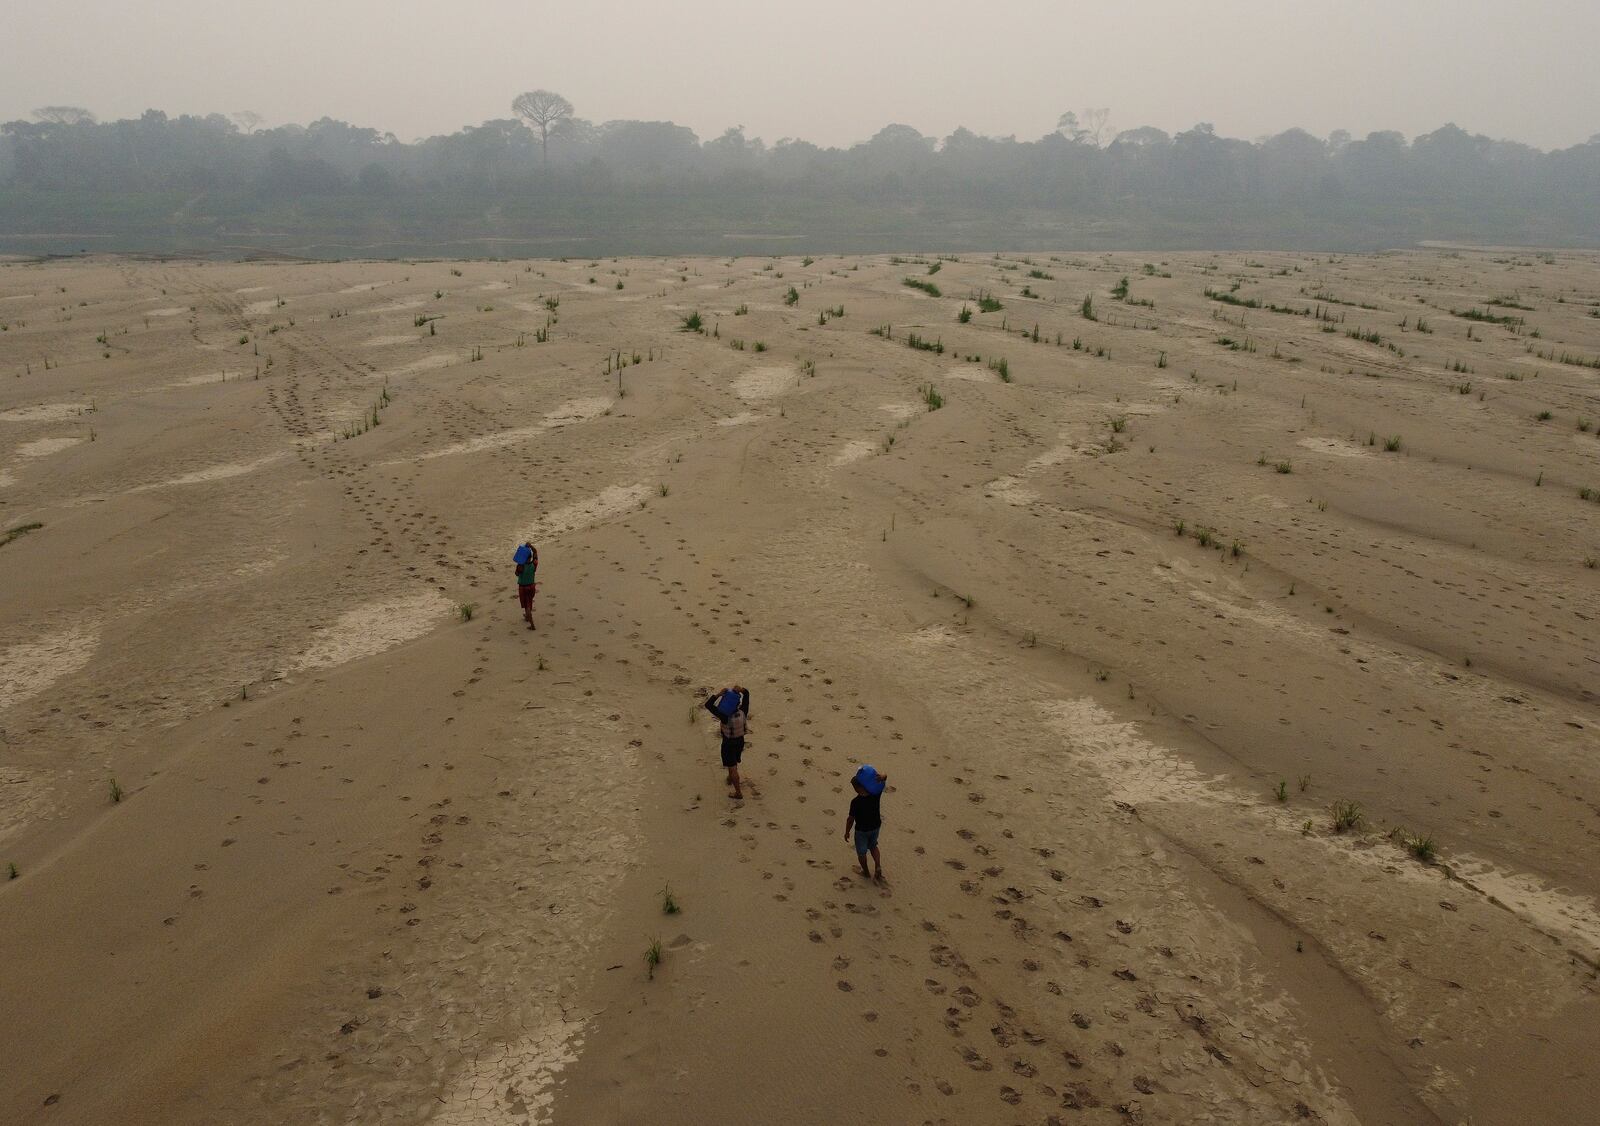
x: 877, y: 862
x: 861, y: 856
x: 733, y: 780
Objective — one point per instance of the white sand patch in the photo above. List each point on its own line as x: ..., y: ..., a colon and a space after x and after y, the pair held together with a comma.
x: 900, y: 410
x: 170, y: 311
x: 429, y: 363
x: 371, y: 629
x: 44, y: 412
x: 972, y: 373
x: 854, y: 451
x: 22, y: 800
x: 513, y: 1084
x: 739, y: 419
x: 498, y: 440
x: 1011, y: 490
x: 1055, y: 455
x: 1140, y: 772
x: 929, y: 637
x: 44, y: 447
x: 1336, y: 447
x: 764, y: 383
x: 1552, y: 911
x: 251, y: 289
x: 256, y: 307
x: 577, y: 410
x: 611, y: 502
x: 393, y: 338
x: 29, y: 667
x: 19, y: 297
x: 213, y: 473
x: 398, y: 306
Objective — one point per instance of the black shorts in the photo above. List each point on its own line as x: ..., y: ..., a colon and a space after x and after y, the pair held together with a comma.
x: 732, y: 751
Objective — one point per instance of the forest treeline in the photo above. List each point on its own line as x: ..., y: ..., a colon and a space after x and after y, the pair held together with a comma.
x: 537, y: 184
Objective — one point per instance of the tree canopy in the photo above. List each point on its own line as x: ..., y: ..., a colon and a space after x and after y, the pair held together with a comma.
x: 187, y: 182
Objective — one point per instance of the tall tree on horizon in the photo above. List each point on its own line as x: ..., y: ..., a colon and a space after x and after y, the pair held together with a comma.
x: 546, y: 111
x: 64, y: 115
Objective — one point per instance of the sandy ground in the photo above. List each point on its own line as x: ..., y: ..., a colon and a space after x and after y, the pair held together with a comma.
x: 1122, y: 625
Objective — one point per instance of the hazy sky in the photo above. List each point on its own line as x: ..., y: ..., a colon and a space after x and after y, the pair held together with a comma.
x: 830, y: 71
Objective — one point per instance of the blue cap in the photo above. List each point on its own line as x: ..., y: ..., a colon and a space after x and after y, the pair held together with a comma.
x: 869, y: 779
x: 523, y: 554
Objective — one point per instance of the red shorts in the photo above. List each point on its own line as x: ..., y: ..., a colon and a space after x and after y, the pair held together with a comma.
x: 525, y: 595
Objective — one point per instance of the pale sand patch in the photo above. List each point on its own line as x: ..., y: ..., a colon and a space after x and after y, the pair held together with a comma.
x: 362, y: 288
x: 369, y: 630
x: 573, y: 410
x: 429, y: 363
x: 169, y: 311
x: 44, y: 412
x: 44, y: 447
x: 1011, y: 490
x: 764, y: 383
x: 972, y: 373
x: 610, y: 502
x: 382, y: 341
x: 739, y: 419
x: 251, y: 289
x: 256, y: 307
x: 929, y: 637
x: 198, y: 380
x: 1055, y: 455
x: 29, y: 667
x: 853, y: 451
x: 22, y: 800
x: 1552, y: 911
x: 398, y: 306
x: 1134, y: 769
x: 578, y: 410
x: 512, y: 1084
x: 495, y: 441
x: 494, y: 286
x: 900, y: 410
x: 1140, y: 772
x: 6, y: 479
x: 19, y: 297
x: 1337, y: 447
x: 212, y: 473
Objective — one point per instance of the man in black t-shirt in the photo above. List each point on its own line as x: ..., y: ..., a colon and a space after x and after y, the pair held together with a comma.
x: 867, y: 818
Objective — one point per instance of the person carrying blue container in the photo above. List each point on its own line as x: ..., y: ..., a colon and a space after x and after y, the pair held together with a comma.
x: 731, y: 706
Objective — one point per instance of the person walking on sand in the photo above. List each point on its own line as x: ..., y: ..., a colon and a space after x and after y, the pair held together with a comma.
x: 527, y: 560
x: 731, y: 706
x: 867, y: 818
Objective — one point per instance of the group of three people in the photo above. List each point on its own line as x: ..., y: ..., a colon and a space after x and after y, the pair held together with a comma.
x: 731, y: 705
